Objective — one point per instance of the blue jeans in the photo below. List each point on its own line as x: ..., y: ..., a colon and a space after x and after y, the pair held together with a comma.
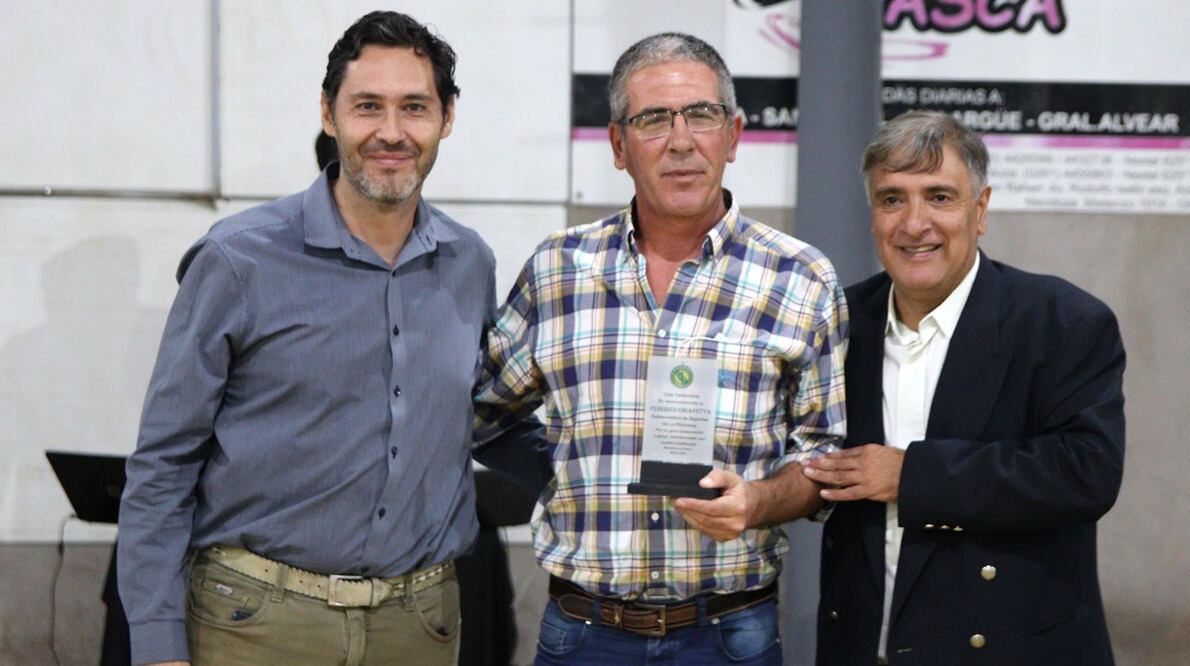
x: 749, y: 636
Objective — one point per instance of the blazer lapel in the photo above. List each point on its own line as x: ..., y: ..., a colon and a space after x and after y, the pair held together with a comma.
x: 865, y: 360
x: 865, y: 408
x: 963, y: 400
x: 975, y: 363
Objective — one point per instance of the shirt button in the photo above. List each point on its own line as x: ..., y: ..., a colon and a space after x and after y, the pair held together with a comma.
x: 655, y: 575
x: 381, y: 512
x: 655, y: 516
x: 396, y: 330
x: 661, y: 333
x: 397, y: 391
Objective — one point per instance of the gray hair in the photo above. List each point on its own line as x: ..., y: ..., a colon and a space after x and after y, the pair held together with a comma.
x: 664, y: 48
x: 914, y: 142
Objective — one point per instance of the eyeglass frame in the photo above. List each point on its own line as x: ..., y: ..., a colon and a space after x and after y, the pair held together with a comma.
x: 727, y: 114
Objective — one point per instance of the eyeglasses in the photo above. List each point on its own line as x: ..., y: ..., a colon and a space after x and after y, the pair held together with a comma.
x: 656, y: 123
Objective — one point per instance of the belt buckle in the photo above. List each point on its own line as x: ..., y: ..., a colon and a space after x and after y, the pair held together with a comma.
x: 349, y: 591
x: 659, y: 630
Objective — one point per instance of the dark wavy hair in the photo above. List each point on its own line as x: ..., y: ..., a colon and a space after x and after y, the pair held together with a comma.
x: 392, y: 29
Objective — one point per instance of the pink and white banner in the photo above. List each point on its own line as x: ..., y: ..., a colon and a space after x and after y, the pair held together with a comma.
x: 1085, y: 105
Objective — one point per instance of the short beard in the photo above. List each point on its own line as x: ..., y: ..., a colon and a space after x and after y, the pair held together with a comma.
x: 381, y: 191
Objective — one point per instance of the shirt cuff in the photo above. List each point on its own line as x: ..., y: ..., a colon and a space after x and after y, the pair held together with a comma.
x: 793, y: 453
x: 823, y: 514
x: 795, y: 458
x: 157, y: 641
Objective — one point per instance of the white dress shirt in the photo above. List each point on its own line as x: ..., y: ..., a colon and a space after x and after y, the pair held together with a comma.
x: 912, y: 363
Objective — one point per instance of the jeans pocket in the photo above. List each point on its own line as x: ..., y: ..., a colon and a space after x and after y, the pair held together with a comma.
x: 437, y: 609
x: 223, y: 597
x: 560, y: 634
x: 747, y: 634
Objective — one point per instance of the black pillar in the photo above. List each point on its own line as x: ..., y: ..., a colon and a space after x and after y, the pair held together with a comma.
x: 838, y: 110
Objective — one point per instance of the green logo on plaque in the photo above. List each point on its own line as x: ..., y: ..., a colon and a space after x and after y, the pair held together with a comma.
x: 681, y: 376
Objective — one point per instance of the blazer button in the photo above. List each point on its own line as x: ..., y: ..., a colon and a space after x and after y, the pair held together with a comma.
x: 978, y: 641
x: 929, y: 526
x: 834, y: 615
x: 988, y: 572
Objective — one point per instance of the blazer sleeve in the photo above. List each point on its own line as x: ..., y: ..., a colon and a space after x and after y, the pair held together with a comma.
x: 1067, y: 465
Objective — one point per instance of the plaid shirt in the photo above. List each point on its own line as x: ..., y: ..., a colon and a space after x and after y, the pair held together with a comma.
x: 577, y: 333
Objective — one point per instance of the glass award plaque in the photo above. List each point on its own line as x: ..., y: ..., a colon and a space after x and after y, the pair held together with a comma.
x: 680, y: 401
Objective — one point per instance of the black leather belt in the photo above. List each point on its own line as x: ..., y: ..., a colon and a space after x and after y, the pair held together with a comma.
x: 649, y: 619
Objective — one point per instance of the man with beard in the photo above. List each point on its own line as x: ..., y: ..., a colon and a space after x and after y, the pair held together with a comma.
x: 305, y: 443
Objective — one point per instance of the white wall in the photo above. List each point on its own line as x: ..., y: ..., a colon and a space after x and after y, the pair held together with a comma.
x: 86, y: 284
x: 109, y: 95
x: 118, y: 100
x: 511, y: 132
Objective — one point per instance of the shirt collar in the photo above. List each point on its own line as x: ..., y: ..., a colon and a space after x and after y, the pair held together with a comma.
x: 320, y: 214
x: 716, y: 239
x: 943, y: 319
x: 325, y: 227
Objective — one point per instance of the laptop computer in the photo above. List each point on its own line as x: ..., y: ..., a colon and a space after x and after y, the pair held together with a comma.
x: 93, y: 483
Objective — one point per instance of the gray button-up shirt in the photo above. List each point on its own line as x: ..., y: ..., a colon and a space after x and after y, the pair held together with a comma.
x: 310, y: 403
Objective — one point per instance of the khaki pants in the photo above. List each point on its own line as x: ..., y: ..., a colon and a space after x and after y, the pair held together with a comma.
x: 235, y: 620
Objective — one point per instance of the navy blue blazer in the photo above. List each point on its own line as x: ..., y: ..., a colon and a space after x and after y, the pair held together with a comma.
x: 1024, y: 451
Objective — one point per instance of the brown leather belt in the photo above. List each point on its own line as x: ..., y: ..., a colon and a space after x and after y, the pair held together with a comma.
x: 649, y: 619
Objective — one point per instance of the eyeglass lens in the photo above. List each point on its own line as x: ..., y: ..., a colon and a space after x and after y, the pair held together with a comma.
x: 699, y: 117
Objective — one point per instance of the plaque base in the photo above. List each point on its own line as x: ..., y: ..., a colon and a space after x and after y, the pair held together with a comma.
x: 672, y: 480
